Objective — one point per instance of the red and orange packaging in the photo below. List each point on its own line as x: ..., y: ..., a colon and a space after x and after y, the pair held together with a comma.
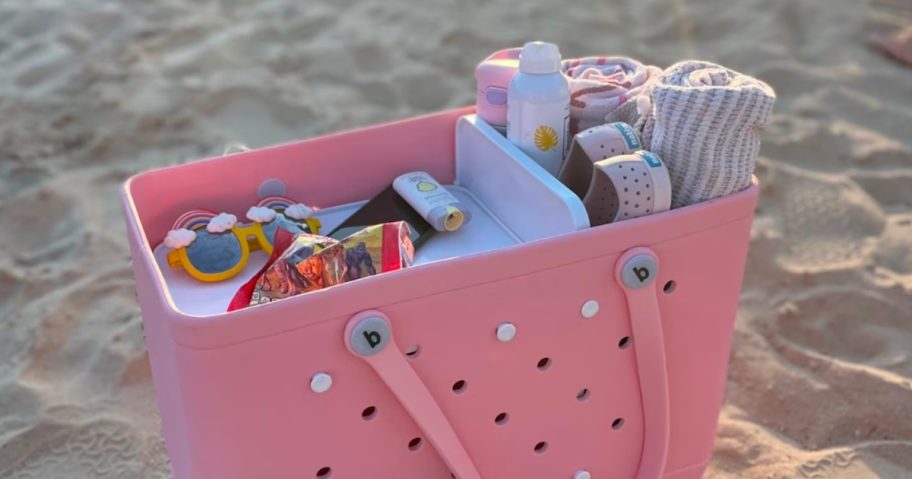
x: 314, y: 262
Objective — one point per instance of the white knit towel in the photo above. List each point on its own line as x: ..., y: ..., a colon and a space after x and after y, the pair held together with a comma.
x: 704, y: 122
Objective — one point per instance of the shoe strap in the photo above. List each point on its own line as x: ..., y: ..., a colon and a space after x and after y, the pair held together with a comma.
x: 641, y: 182
x: 610, y: 139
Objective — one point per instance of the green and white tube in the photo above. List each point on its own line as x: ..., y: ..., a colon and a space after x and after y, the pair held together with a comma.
x: 431, y: 200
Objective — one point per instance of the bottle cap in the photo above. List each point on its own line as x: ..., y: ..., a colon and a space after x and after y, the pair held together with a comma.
x: 539, y: 58
x: 454, y: 219
x: 447, y: 218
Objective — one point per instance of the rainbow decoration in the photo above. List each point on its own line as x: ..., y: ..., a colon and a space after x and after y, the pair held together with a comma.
x: 276, y: 202
x: 194, y: 219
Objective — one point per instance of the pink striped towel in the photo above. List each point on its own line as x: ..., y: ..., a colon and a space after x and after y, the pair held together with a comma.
x: 601, y: 87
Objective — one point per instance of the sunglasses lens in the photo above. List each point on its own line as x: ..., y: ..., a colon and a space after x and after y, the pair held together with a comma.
x: 214, y: 253
x: 269, y: 229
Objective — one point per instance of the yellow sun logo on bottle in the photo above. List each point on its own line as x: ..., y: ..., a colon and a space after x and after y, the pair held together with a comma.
x: 546, y: 138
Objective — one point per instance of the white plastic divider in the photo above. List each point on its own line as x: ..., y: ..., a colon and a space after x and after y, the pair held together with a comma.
x: 527, y: 199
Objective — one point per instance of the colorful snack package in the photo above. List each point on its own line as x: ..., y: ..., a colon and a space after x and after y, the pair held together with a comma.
x: 295, y: 271
x: 314, y: 262
x: 376, y: 249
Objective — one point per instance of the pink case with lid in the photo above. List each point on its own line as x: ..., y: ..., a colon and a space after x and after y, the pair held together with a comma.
x: 492, y: 77
x: 616, y: 369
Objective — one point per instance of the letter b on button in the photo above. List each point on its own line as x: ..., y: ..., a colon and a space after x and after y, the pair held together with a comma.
x: 373, y: 338
x: 642, y: 274
x: 639, y: 271
x: 370, y: 336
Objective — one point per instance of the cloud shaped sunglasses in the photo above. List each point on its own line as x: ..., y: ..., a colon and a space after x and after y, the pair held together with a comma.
x: 215, y: 247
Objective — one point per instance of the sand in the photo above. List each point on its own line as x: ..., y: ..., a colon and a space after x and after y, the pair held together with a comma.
x: 92, y: 92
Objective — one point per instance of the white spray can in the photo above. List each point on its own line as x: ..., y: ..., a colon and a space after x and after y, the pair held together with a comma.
x: 538, y: 106
x: 431, y: 200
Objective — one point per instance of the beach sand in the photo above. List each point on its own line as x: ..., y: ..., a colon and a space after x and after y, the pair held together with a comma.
x: 92, y: 92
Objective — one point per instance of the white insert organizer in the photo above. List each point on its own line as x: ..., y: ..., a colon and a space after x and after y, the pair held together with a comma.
x: 511, y: 199
x: 532, y: 202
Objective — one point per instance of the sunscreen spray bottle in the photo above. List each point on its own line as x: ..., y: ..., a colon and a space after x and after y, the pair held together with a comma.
x: 538, y: 106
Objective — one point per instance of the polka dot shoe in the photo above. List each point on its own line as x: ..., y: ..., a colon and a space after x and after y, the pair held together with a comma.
x: 627, y: 186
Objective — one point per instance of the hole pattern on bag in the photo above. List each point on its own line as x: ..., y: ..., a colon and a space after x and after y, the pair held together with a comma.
x: 501, y: 419
x: 544, y: 364
x: 617, y: 423
x: 582, y: 395
x: 369, y: 413
x: 414, y: 444
x: 460, y: 386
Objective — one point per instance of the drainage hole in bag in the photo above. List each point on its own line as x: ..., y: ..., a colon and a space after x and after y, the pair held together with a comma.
x: 624, y: 343
x: 413, y: 351
x: 324, y: 473
x: 582, y: 395
x: 670, y: 287
x: 369, y: 413
x: 617, y: 424
x: 414, y: 444
x: 544, y: 364
x: 501, y: 419
x: 541, y: 447
x: 460, y: 386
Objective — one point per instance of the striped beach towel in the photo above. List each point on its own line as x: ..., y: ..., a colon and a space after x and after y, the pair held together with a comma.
x: 601, y: 89
x: 704, y: 121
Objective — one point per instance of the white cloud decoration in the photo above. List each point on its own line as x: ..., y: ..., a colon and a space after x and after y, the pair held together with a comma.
x: 179, y: 238
x: 261, y: 214
x: 299, y: 211
x: 221, y: 223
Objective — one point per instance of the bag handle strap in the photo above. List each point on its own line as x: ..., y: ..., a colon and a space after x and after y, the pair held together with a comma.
x: 369, y: 336
x: 636, y: 272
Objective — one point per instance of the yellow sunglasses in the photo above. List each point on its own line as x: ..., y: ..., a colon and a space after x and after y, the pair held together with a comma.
x: 215, y: 247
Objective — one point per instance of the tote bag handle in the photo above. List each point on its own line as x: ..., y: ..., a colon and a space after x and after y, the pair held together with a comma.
x: 636, y: 274
x: 369, y: 335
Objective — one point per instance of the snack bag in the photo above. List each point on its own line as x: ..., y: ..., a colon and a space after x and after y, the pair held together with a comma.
x: 314, y: 262
x: 297, y: 270
x: 376, y: 249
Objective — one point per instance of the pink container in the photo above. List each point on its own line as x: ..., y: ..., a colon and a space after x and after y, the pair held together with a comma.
x: 616, y: 370
x: 492, y: 79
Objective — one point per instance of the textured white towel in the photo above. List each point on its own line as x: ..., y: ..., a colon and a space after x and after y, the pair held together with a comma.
x: 704, y: 122
x: 601, y: 89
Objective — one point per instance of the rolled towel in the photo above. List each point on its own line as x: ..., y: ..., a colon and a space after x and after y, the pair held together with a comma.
x: 601, y: 89
x: 703, y: 120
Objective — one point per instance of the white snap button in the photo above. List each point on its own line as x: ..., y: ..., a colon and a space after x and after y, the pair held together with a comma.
x: 505, y: 332
x: 582, y: 475
x: 321, y: 382
x: 590, y: 308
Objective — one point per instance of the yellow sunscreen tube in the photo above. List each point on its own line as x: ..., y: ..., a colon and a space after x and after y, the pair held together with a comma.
x: 431, y: 200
